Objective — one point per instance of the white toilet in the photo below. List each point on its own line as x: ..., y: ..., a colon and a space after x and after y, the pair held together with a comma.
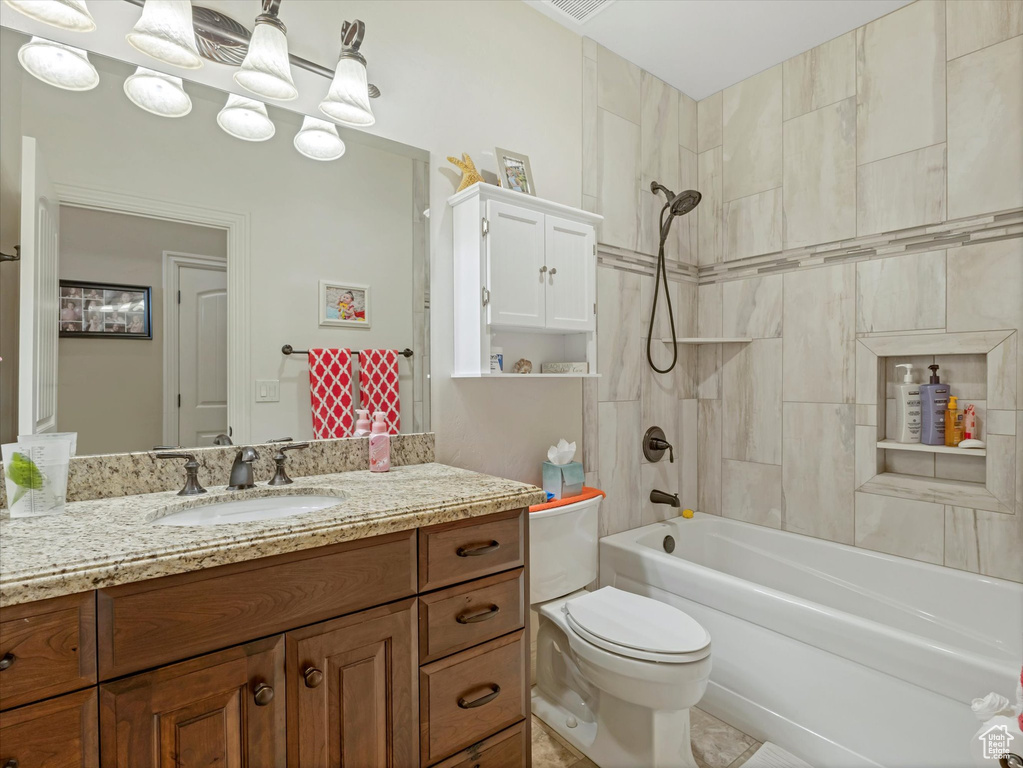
x: 616, y: 673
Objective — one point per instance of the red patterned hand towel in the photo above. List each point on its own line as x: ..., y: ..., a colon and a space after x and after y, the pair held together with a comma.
x: 378, y: 385
x: 330, y: 387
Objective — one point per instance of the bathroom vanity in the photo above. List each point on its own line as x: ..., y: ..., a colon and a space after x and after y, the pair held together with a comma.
x: 372, y: 636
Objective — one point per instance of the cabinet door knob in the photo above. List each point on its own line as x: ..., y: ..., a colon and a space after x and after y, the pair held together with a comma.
x: 6, y: 663
x: 11, y: 763
x: 543, y: 269
x: 476, y: 618
x: 475, y: 550
x: 554, y: 271
x: 263, y: 694
x: 313, y: 677
x: 495, y: 691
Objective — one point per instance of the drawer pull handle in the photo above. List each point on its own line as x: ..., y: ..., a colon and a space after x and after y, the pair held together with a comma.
x: 263, y: 694
x: 475, y: 550
x: 12, y: 763
x: 495, y: 691
x: 6, y: 663
x: 313, y: 677
x: 476, y: 618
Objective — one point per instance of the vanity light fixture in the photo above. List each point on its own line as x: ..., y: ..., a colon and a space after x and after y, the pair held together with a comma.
x: 157, y: 93
x: 165, y: 32
x: 246, y: 119
x: 318, y: 140
x: 72, y: 15
x: 59, y: 65
x: 266, y: 70
x: 347, y: 100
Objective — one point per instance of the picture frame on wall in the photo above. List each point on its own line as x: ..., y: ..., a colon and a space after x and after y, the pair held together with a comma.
x: 90, y: 310
x: 344, y: 304
x: 514, y: 171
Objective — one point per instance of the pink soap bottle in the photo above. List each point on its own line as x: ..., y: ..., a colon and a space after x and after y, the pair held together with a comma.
x: 363, y: 426
x: 379, y: 445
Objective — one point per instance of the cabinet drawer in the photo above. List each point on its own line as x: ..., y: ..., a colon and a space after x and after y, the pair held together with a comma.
x: 47, y: 648
x: 224, y: 709
x: 471, y: 695
x: 469, y: 614
x: 468, y: 549
x: 507, y: 749
x: 163, y: 620
x: 59, y: 733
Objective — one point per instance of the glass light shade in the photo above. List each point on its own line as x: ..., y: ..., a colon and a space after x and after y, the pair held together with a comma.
x: 58, y: 64
x: 266, y: 70
x: 160, y: 94
x: 165, y: 32
x: 318, y: 140
x: 66, y: 14
x: 246, y: 119
x: 348, y: 98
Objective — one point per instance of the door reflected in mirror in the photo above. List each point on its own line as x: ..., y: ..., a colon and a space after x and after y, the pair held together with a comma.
x: 165, y: 263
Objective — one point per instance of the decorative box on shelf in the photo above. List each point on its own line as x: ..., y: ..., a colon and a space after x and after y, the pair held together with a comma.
x: 525, y: 277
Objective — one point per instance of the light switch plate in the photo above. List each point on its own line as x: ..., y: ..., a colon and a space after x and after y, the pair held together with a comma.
x: 268, y: 390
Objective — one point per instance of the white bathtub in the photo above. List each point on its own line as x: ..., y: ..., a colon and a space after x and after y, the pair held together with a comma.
x: 844, y: 657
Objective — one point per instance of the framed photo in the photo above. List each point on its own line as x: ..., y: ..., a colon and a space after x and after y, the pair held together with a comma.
x: 514, y: 172
x: 104, y: 310
x: 344, y: 304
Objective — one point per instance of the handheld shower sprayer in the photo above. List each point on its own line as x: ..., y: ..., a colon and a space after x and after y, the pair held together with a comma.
x: 675, y: 205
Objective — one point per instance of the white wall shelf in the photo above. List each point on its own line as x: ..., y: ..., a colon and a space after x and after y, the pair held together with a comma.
x: 525, y: 375
x: 891, y: 445
x: 710, y: 340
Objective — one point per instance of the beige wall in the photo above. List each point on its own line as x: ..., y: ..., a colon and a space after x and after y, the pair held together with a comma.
x: 110, y: 391
x: 829, y: 181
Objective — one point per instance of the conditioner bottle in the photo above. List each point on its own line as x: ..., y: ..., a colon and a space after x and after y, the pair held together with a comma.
x: 933, y: 403
x: 907, y: 408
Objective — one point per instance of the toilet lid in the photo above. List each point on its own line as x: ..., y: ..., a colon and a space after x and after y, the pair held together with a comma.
x: 633, y: 621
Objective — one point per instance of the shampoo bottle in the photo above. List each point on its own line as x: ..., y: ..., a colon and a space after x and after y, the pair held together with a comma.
x: 907, y: 408
x: 379, y: 444
x: 933, y: 402
x: 363, y: 427
x: 953, y: 423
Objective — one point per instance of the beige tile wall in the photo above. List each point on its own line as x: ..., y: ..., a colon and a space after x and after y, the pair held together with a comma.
x: 910, y: 121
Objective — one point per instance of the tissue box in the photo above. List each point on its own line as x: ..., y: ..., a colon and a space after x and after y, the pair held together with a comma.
x: 563, y: 480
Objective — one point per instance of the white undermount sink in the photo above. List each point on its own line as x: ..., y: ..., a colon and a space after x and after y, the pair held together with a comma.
x: 249, y: 510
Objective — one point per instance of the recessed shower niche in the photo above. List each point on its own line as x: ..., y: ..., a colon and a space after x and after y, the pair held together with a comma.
x: 980, y: 368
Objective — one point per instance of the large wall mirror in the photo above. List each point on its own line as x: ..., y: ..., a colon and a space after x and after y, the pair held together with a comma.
x: 166, y: 263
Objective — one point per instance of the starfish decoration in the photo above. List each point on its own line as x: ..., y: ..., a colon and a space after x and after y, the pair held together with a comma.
x: 469, y: 173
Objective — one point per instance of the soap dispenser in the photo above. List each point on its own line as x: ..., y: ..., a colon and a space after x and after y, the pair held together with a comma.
x: 363, y: 426
x: 933, y: 402
x: 379, y: 444
x: 907, y: 408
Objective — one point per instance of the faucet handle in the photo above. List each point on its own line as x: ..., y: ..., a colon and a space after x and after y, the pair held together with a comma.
x: 281, y: 474
x: 294, y: 446
x: 192, y: 486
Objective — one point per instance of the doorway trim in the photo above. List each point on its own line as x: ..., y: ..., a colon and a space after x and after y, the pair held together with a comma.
x: 238, y: 236
x: 172, y: 260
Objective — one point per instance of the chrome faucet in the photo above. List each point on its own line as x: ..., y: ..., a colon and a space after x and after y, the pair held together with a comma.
x: 241, y: 470
x: 660, y: 497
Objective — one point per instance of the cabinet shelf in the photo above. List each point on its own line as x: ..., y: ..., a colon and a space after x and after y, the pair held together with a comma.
x: 891, y: 445
x: 710, y: 340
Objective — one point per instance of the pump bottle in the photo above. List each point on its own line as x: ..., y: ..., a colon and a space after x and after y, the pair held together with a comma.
x: 907, y: 408
x: 933, y: 402
x: 379, y: 444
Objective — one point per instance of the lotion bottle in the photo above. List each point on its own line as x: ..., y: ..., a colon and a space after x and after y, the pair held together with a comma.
x: 933, y: 402
x: 907, y: 408
x: 379, y: 444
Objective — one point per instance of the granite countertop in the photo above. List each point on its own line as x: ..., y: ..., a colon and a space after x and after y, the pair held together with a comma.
x: 105, y: 542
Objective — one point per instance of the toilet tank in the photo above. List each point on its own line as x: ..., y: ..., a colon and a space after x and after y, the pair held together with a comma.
x: 562, y: 549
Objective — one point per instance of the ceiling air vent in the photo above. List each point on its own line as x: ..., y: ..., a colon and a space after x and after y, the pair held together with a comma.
x: 580, y: 11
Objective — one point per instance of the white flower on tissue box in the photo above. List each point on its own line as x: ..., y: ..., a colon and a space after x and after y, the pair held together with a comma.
x: 562, y: 477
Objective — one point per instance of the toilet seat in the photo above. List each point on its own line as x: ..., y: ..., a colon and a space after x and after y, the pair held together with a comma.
x: 637, y: 627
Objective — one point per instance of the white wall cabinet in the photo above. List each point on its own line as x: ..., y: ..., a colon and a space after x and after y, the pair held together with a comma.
x: 525, y: 280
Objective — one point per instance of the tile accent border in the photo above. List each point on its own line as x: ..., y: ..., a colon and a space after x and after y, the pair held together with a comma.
x: 644, y: 264
x: 1000, y: 349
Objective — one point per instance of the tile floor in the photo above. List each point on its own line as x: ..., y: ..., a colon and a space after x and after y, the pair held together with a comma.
x: 715, y: 745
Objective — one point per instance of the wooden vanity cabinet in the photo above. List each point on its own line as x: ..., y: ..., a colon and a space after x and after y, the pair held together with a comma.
x: 402, y: 650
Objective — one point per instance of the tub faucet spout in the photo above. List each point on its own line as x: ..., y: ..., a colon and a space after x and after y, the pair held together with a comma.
x: 660, y: 497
